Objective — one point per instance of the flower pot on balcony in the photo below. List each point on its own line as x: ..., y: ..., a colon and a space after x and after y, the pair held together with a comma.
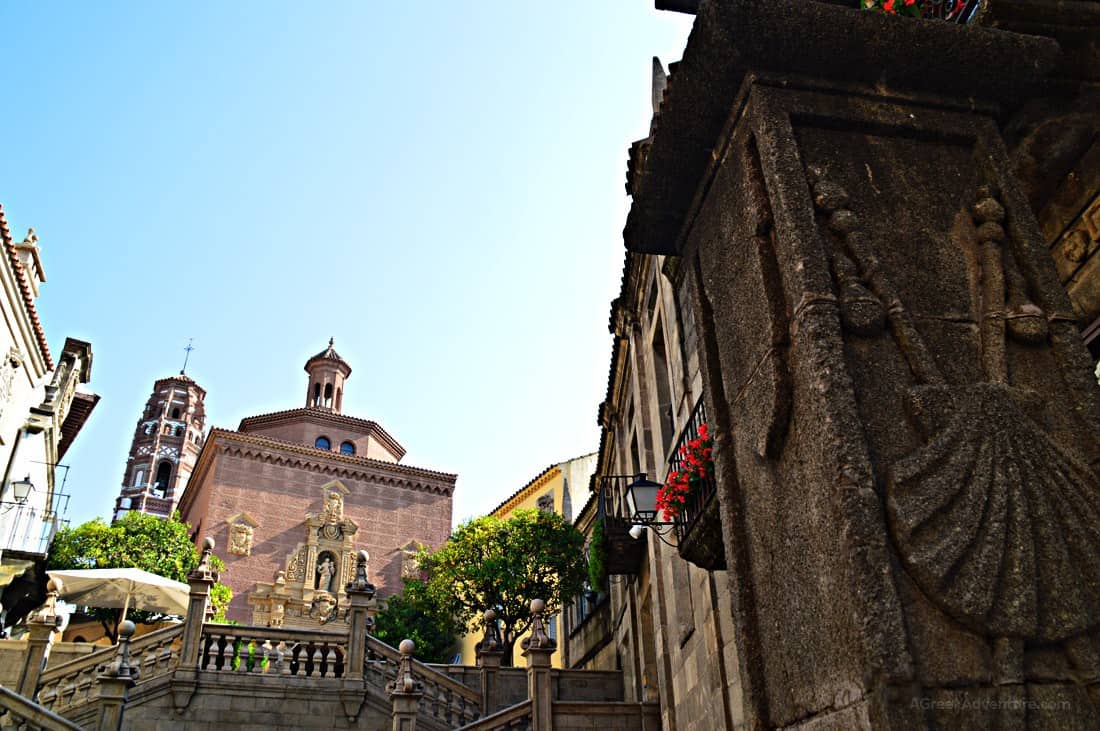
x: 701, y: 539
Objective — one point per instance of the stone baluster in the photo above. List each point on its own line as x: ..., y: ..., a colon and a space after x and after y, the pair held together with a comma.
x: 538, y: 648
x: 490, y: 652
x: 361, y: 610
x: 405, y: 691
x: 201, y: 579
x: 40, y: 625
x: 115, y: 680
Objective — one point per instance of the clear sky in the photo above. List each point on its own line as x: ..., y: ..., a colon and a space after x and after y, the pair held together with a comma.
x: 437, y: 185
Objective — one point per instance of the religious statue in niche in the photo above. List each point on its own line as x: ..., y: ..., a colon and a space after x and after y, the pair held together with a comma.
x: 326, y: 571
x: 311, y: 589
x: 240, y: 539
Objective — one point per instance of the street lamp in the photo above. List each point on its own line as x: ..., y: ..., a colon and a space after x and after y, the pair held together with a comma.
x: 22, y: 489
x: 641, y: 500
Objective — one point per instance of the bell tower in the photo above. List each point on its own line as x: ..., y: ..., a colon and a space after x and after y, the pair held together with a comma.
x: 165, y: 447
x: 327, y: 373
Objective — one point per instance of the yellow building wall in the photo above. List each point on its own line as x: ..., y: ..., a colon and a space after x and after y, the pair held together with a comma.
x: 551, y: 482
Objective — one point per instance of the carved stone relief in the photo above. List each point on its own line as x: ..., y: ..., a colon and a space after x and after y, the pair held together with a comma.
x: 992, y: 518
x: 240, y: 539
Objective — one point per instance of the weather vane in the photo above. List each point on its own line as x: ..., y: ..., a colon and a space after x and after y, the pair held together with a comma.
x: 187, y: 356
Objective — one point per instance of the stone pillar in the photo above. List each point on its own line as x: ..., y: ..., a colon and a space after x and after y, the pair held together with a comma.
x: 185, y: 679
x: 490, y: 652
x: 115, y: 681
x: 40, y: 625
x: 360, y: 622
x: 537, y: 649
x: 405, y: 691
x: 906, y: 423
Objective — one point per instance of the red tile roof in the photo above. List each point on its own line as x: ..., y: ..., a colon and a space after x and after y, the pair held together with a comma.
x: 24, y: 287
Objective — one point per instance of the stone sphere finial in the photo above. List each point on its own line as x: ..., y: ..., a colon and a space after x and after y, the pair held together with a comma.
x: 54, y: 586
x: 489, y: 615
x: 208, y: 544
x: 538, y: 606
x: 407, y: 647
x: 126, y: 629
x: 362, y: 556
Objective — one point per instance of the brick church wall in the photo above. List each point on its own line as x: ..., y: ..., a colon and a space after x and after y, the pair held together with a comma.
x: 278, y: 488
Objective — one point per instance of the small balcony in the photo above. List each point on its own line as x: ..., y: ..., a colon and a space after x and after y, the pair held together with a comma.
x: 698, y: 526
x: 623, y: 554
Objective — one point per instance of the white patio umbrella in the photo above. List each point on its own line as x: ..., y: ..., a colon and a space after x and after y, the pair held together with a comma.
x: 123, y: 588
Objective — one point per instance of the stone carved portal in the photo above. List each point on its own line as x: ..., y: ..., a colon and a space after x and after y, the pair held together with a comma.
x: 310, y: 591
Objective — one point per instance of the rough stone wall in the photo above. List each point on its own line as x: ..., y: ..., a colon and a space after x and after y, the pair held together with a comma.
x: 278, y: 497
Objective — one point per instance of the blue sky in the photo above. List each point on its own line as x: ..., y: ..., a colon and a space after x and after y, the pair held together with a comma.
x: 437, y: 185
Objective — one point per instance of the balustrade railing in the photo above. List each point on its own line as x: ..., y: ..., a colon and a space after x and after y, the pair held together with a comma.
x: 445, y: 699
x: 623, y: 554
x: 512, y: 718
x: 697, y: 526
x: 287, y: 652
x: 19, y: 712
x: 74, y: 683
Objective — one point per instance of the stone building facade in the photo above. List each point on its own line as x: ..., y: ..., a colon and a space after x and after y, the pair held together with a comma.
x: 665, y: 622
x: 293, y: 495
x: 44, y: 403
x: 165, y: 447
x: 903, y: 410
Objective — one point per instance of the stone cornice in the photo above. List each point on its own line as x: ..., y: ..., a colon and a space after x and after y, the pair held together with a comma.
x: 369, y: 428
x: 339, y: 466
x: 538, y: 482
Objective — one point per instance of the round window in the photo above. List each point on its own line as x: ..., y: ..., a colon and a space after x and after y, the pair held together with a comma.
x: 323, y: 443
x: 347, y: 448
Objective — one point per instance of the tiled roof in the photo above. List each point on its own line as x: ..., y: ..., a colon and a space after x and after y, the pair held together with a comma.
x: 351, y: 460
x: 24, y: 288
x: 329, y: 354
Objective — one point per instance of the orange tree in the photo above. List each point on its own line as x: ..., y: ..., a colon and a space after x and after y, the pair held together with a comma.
x: 503, y: 564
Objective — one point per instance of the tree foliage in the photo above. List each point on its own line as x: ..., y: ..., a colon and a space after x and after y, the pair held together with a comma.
x: 415, y: 614
x: 490, y: 562
x: 137, y: 540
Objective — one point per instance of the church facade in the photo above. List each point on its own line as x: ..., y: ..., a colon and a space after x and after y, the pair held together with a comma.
x: 294, y: 495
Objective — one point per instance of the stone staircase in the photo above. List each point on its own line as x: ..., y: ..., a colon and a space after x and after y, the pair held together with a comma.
x: 201, y: 675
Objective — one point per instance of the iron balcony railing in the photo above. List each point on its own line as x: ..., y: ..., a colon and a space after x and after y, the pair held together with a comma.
x: 706, y: 487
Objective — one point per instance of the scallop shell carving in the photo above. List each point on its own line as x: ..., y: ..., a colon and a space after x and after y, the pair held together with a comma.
x: 997, y: 523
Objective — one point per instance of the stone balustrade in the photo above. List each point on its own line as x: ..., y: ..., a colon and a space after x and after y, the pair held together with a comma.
x: 73, y: 684
x: 19, y: 712
x: 445, y: 700
x: 288, y: 652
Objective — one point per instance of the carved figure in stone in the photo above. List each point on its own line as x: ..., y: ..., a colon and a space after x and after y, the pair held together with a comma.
x: 326, y: 569
x: 410, y: 565
x: 323, y: 608
x: 240, y: 539
x: 334, y: 507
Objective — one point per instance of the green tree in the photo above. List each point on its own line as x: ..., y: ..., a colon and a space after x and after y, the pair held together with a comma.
x: 503, y: 564
x: 137, y: 540
x: 417, y: 615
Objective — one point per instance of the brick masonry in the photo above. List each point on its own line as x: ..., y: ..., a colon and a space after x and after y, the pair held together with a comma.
x: 279, y: 483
